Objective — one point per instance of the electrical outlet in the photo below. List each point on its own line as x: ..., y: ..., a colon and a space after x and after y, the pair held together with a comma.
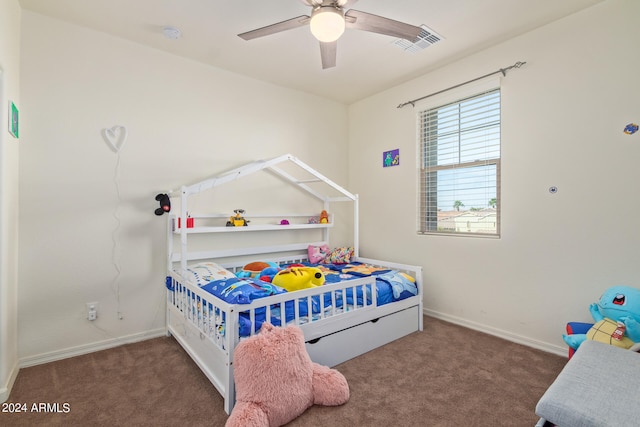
x: 92, y: 310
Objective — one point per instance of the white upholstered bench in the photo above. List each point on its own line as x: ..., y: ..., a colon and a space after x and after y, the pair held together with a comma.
x: 599, y: 386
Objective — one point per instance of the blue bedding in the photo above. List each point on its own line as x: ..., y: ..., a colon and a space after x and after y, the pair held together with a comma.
x: 391, y: 286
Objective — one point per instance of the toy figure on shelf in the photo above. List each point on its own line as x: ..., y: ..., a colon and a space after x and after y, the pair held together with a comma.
x: 617, y: 317
x: 237, y: 220
x: 324, y: 217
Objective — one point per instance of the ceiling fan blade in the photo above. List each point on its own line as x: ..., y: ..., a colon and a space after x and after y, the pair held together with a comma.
x: 328, y: 54
x: 377, y: 24
x: 276, y: 28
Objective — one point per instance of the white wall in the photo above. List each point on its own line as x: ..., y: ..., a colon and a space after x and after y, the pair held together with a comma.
x: 185, y: 121
x: 562, y: 121
x: 563, y: 116
x: 9, y: 91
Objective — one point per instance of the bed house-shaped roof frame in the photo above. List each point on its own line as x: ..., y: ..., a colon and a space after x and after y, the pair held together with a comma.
x: 274, y: 166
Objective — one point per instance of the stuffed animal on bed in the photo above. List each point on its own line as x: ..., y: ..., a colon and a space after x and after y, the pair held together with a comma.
x: 276, y: 381
x: 297, y: 278
x: 617, y: 319
x: 255, y: 269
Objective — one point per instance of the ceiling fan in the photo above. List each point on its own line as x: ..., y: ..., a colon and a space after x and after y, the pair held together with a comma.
x: 328, y: 21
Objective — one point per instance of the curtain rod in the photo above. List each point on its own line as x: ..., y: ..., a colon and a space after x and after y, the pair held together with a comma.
x: 501, y: 70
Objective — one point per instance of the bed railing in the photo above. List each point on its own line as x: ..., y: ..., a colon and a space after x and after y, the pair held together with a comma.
x: 323, y: 302
x: 220, y: 322
x: 203, y: 310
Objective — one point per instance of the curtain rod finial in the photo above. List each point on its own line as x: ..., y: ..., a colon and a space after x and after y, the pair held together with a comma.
x: 404, y: 104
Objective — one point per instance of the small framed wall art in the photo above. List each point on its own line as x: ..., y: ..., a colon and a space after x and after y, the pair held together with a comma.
x: 391, y: 158
x: 14, y: 121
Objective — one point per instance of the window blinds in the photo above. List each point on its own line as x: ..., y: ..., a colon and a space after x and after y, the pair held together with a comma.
x: 460, y: 166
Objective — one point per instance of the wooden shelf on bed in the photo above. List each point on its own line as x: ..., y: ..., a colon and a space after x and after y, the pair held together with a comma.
x: 261, y: 227
x: 213, y: 223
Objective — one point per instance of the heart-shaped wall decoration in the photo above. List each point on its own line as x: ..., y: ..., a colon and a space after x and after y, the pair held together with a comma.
x: 115, y: 137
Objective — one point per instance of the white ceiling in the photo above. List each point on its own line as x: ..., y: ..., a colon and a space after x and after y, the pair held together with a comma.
x: 366, y: 62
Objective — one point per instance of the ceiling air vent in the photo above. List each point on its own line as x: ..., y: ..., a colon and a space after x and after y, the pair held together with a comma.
x: 426, y: 38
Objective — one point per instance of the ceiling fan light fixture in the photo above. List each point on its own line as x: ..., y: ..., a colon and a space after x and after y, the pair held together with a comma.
x: 327, y: 24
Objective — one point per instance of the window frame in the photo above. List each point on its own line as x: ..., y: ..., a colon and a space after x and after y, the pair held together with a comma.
x: 452, y: 97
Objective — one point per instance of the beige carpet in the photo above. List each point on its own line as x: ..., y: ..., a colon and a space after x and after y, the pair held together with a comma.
x: 444, y: 376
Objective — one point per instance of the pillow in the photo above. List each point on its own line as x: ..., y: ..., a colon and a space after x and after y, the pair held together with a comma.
x: 339, y: 256
x: 322, y: 255
x: 241, y: 291
x: 206, y: 272
x: 317, y: 254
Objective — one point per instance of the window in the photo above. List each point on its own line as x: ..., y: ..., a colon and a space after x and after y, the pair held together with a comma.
x: 460, y: 167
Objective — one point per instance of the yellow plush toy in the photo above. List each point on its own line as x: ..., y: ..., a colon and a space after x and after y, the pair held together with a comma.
x: 297, y: 278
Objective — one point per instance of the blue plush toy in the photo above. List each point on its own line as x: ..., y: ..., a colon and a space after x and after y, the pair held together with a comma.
x: 259, y: 269
x: 617, y: 319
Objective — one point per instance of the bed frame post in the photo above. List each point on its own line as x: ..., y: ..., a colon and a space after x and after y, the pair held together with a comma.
x: 169, y: 268
x: 356, y: 235
x: 183, y: 229
x: 233, y: 337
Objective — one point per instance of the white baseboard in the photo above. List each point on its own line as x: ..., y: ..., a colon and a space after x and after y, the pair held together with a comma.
x: 509, y: 336
x: 89, y: 348
x: 6, y: 388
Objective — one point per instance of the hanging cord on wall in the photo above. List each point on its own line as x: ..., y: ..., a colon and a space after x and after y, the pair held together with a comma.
x: 115, y: 283
x: 115, y: 137
x: 501, y: 70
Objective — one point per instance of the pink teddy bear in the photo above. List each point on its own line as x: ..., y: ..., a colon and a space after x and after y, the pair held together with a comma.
x: 276, y: 381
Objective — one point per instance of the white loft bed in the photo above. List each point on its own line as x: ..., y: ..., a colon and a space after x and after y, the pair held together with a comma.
x: 208, y: 328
